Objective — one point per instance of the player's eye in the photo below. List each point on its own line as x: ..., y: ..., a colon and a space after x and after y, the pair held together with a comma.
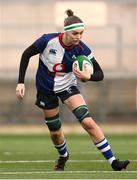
x: 74, y: 33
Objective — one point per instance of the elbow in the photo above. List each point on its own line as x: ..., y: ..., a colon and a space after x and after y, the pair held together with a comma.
x: 97, y: 76
x: 101, y: 76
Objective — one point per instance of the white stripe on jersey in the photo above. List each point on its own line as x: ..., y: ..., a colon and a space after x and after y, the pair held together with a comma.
x: 63, y: 82
x: 90, y: 56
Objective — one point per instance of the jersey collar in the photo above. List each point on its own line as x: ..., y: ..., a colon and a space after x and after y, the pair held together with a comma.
x: 62, y: 44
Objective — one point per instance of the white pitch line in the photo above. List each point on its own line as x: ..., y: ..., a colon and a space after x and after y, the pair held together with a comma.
x: 49, y: 161
x: 65, y: 172
x: 27, y: 153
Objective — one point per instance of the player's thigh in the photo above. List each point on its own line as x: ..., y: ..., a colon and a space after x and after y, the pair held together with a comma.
x: 51, y: 112
x: 49, y: 103
x: 74, y: 101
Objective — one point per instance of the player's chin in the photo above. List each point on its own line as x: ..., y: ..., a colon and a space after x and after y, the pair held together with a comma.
x: 75, y: 42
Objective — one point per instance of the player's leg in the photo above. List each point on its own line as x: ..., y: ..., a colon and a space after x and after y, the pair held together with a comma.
x: 53, y: 122
x: 49, y: 104
x: 78, y: 106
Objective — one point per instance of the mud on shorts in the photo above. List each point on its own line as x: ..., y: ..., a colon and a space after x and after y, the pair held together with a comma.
x: 50, y: 101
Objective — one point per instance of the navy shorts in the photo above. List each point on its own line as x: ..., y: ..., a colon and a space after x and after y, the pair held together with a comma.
x: 50, y: 101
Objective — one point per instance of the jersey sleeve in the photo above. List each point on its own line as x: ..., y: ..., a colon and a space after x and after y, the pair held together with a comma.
x: 85, y: 50
x: 27, y: 54
x: 98, y: 74
x: 41, y: 42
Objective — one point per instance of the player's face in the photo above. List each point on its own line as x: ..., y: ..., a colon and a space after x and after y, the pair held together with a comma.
x: 73, y: 37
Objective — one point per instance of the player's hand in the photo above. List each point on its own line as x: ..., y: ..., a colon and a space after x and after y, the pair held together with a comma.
x: 83, y: 75
x: 20, y: 90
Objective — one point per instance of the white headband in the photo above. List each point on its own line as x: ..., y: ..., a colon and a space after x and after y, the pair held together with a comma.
x: 74, y: 26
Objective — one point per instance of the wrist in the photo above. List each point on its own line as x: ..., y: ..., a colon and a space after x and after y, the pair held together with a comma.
x: 85, y: 79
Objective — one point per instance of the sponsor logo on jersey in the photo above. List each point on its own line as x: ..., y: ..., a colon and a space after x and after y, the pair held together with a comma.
x: 53, y: 51
x: 58, y: 67
x: 69, y: 90
x: 42, y: 103
x: 73, y: 57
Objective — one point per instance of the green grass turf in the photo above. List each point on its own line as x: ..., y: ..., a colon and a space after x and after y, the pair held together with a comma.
x: 33, y: 156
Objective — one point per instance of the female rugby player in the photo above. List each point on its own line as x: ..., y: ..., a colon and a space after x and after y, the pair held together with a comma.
x: 56, y: 80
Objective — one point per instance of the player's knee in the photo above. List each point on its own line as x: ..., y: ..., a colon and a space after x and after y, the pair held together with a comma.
x: 53, y: 123
x: 81, y: 112
x: 89, y: 124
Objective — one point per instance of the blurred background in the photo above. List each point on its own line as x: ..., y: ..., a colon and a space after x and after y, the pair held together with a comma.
x: 111, y: 31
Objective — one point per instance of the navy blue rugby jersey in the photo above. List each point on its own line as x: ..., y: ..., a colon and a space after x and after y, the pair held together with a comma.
x: 54, y: 72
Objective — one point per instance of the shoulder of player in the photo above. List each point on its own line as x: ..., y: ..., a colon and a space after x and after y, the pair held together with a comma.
x: 84, y: 48
x: 49, y: 36
x: 42, y: 42
x: 83, y: 45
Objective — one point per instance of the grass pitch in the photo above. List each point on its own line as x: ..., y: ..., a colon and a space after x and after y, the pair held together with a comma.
x: 33, y: 157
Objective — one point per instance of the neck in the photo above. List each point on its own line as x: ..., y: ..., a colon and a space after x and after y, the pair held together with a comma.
x: 65, y: 40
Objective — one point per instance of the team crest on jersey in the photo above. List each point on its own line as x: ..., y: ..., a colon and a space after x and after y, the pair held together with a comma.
x: 53, y: 51
x: 73, y: 57
x: 58, y: 67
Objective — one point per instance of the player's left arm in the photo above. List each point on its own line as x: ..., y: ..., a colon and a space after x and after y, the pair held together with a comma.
x: 98, y: 74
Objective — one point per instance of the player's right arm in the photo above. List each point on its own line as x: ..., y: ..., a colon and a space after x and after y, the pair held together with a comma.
x: 37, y: 47
x: 27, y: 54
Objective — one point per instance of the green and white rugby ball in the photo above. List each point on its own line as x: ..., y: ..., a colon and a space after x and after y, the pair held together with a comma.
x: 81, y: 61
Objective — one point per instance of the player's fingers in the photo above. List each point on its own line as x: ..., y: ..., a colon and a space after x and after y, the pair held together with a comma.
x: 76, y: 71
x: 85, y: 67
x: 20, y: 93
x: 78, y: 75
x: 20, y: 90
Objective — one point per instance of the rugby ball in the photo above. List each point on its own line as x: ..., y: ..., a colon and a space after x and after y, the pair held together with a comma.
x: 81, y: 61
